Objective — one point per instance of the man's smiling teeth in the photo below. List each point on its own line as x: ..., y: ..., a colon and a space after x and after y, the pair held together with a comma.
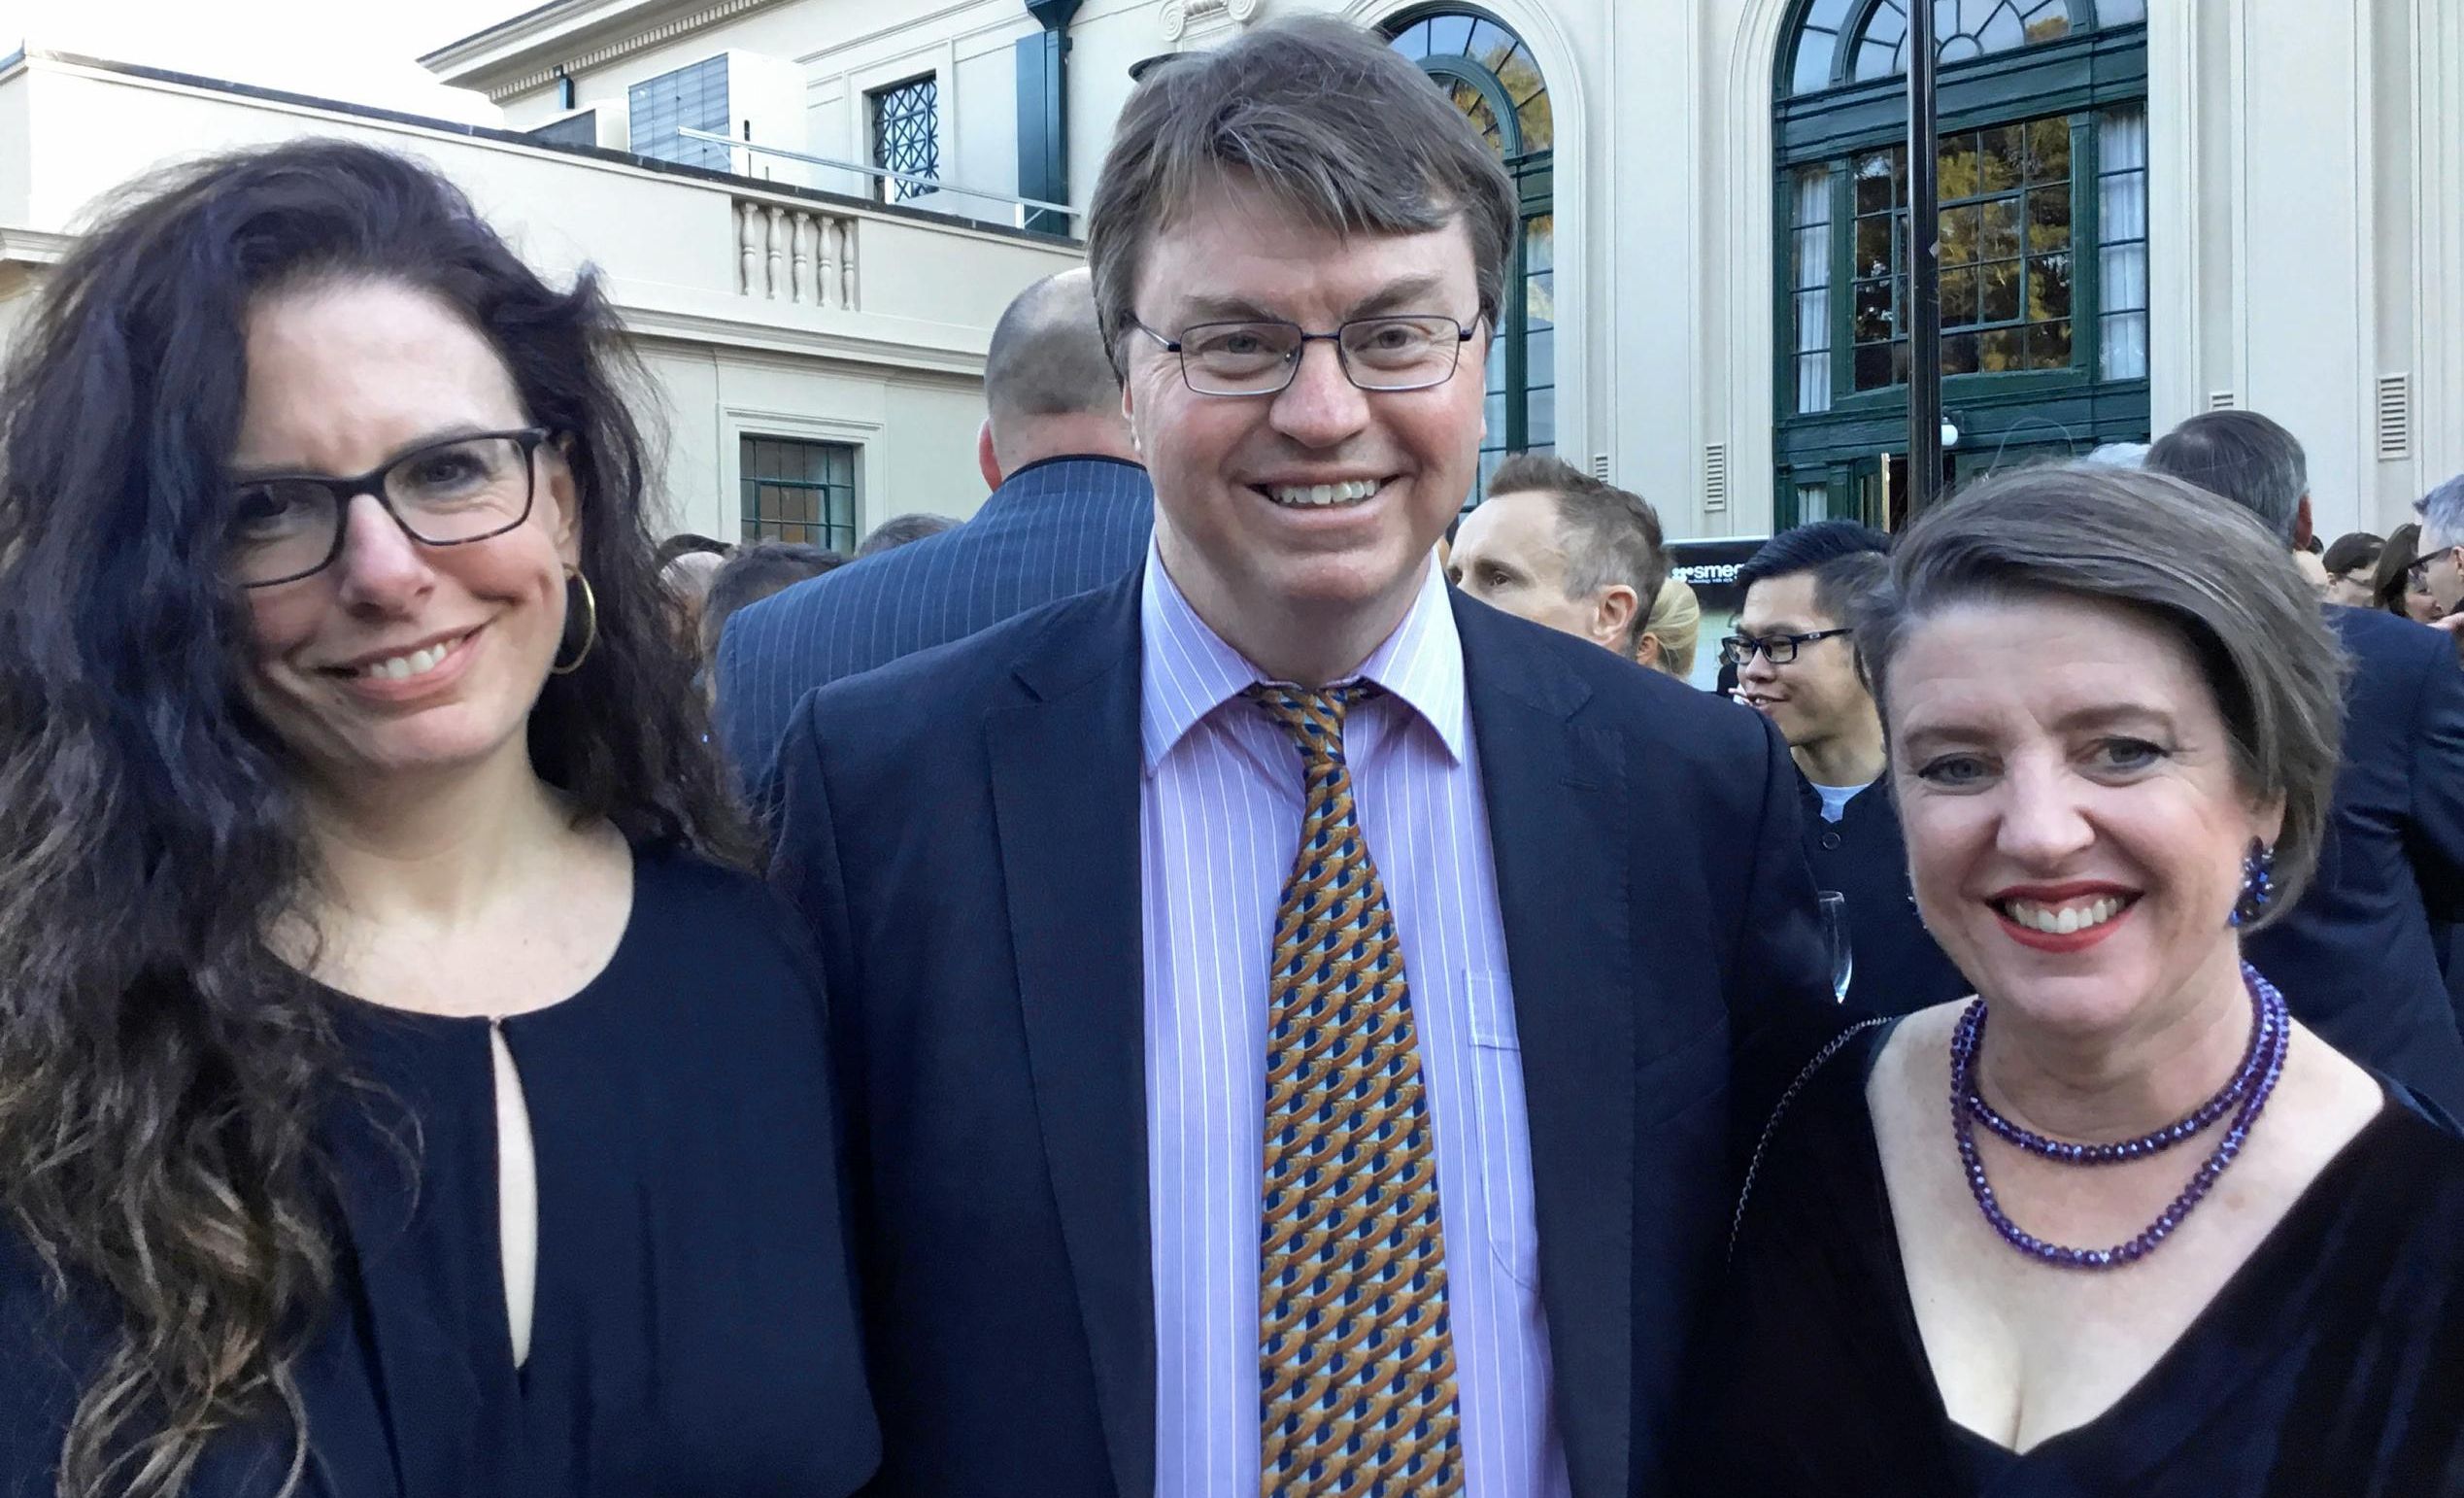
x: 2065, y: 920
x: 418, y: 662
x: 1352, y: 491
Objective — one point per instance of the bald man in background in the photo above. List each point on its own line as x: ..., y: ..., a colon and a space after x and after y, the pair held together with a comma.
x: 1071, y: 511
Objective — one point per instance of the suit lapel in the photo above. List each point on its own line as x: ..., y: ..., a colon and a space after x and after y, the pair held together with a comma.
x: 1558, y: 814
x: 1066, y: 778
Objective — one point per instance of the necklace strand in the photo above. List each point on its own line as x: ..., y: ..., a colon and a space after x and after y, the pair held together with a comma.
x: 2271, y: 1040
x: 2154, y: 1143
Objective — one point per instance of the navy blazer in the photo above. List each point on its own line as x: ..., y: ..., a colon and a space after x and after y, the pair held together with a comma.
x: 2357, y: 958
x: 1900, y: 967
x: 961, y: 828
x: 1053, y: 530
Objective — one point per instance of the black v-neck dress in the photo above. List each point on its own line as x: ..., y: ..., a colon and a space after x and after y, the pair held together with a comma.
x: 2331, y: 1365
x: 692, y: 1333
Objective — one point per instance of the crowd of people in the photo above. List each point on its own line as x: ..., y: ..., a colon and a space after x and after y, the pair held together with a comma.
x: 1224, y: 974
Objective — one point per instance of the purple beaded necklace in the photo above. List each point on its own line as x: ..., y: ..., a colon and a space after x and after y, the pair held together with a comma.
x: 2262, y: 1064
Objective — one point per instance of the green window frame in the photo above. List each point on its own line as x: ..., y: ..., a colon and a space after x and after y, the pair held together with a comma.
x: 795, y: 490
x: 2032, y: 98
x: 1491, y: 75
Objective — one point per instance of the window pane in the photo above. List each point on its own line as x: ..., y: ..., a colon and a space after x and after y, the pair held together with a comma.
x: 1875, y: 60
x: 1873, y: 247
x: 1959, y: 298
x: 2001, y: 351
x: 1814, y: 503
x: 2049, y: 219
x: 1491, y: 43
x: 1540, y: 416
x: 1873, y: 322
x: 1999, y: 158
x: 1413, y: 40
x: 2003, y: 32
x: 1998, y: 294
x: 1827, y: 14
x: 1540, y: 243
x: 2120, y: 13
x: 1877, y: 182
x: 2049, y: 288
x: 2001, y: 234
x: 1815, y: 53
x: 1958, y: 160
x: 1959, y: 353
x: 2048, y: 149
x: 2122, y: 261
x: 2049, y: 21
x: 1540, y: 124
x: 2050, y: 346
x: 1963, y: 230
x: 1873, y: 366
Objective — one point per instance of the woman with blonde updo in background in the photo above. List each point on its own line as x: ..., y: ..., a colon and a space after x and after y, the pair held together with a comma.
x: 1669, y: 634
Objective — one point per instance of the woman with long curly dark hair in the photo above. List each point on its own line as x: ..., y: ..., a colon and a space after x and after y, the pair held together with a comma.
x: 404, y: 1088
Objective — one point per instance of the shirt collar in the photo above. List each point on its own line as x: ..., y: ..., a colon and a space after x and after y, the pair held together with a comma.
x: 1189, y: 670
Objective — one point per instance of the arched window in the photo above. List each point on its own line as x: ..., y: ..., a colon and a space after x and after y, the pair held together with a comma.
x: 1492, y: 77
x: 2043, y: 238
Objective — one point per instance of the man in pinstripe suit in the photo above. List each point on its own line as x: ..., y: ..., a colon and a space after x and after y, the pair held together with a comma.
x: 1071, y: 510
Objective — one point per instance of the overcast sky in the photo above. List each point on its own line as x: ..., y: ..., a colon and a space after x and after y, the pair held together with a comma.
x: 358, y: 51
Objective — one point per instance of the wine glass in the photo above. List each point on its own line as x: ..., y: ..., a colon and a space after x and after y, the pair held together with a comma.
x: 1834, y: 931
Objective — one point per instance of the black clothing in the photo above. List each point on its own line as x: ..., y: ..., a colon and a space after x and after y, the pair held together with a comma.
x: 1900, y: 969
x: 2356, y: 958
x: 2330, y: 1365
x: 693, y: 1327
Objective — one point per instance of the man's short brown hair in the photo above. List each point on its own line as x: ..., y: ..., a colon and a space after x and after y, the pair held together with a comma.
x: 1609, y: 535
x: 1324, y: 117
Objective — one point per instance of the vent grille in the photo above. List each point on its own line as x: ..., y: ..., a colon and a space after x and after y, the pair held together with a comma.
x: 2222, y: 401
x: 1715, y: 478
x: 2395, y: 418
x: 1600, y: 466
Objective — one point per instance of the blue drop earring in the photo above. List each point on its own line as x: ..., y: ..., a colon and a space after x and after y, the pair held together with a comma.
x: 2258, y: 884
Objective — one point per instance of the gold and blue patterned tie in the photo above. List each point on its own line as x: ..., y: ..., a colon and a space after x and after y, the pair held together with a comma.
x: 1355, y: 1360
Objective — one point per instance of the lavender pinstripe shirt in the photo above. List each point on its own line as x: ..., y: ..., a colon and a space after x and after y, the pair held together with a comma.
x: 1220, y: 822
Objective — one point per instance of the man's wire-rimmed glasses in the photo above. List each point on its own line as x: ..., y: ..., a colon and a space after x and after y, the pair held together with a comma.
x: 1386, y: 354
x: 1778, y: 648
x: 284, y: 526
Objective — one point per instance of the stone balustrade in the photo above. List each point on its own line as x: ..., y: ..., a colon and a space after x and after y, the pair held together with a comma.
x: 796, y: 253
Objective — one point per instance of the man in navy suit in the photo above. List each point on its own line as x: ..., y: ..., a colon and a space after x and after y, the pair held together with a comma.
x: 2356, y: 958
x: 1070, y: 951
x: 1070, y: 510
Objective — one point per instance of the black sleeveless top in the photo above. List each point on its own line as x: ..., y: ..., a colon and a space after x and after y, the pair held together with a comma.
x: 693, y: 1328
x: 2331, y: 1365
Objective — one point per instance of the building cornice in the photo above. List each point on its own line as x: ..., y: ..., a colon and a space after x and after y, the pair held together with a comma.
x: 536, y: 42
x: 33, y: 247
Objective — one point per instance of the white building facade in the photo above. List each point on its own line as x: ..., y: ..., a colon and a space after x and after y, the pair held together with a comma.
x: 2151, y: 208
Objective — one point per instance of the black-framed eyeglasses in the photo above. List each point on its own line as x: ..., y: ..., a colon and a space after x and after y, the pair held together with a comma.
x: 1388, y: 353
x: 1778, y: 648
x: 284, y: 526
x: 2416, y: 573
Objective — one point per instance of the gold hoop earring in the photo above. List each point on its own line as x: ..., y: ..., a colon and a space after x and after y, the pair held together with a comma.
x: 589, y: 627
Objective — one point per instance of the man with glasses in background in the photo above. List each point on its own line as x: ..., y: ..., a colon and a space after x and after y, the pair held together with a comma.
x: 1795, y: 664
x: 1190, y: 1167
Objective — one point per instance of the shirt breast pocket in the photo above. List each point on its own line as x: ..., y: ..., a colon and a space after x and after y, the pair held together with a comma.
x: 1504, y: 1138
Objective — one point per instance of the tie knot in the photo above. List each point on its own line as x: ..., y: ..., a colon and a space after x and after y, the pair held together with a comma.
x: 1313, y: 717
